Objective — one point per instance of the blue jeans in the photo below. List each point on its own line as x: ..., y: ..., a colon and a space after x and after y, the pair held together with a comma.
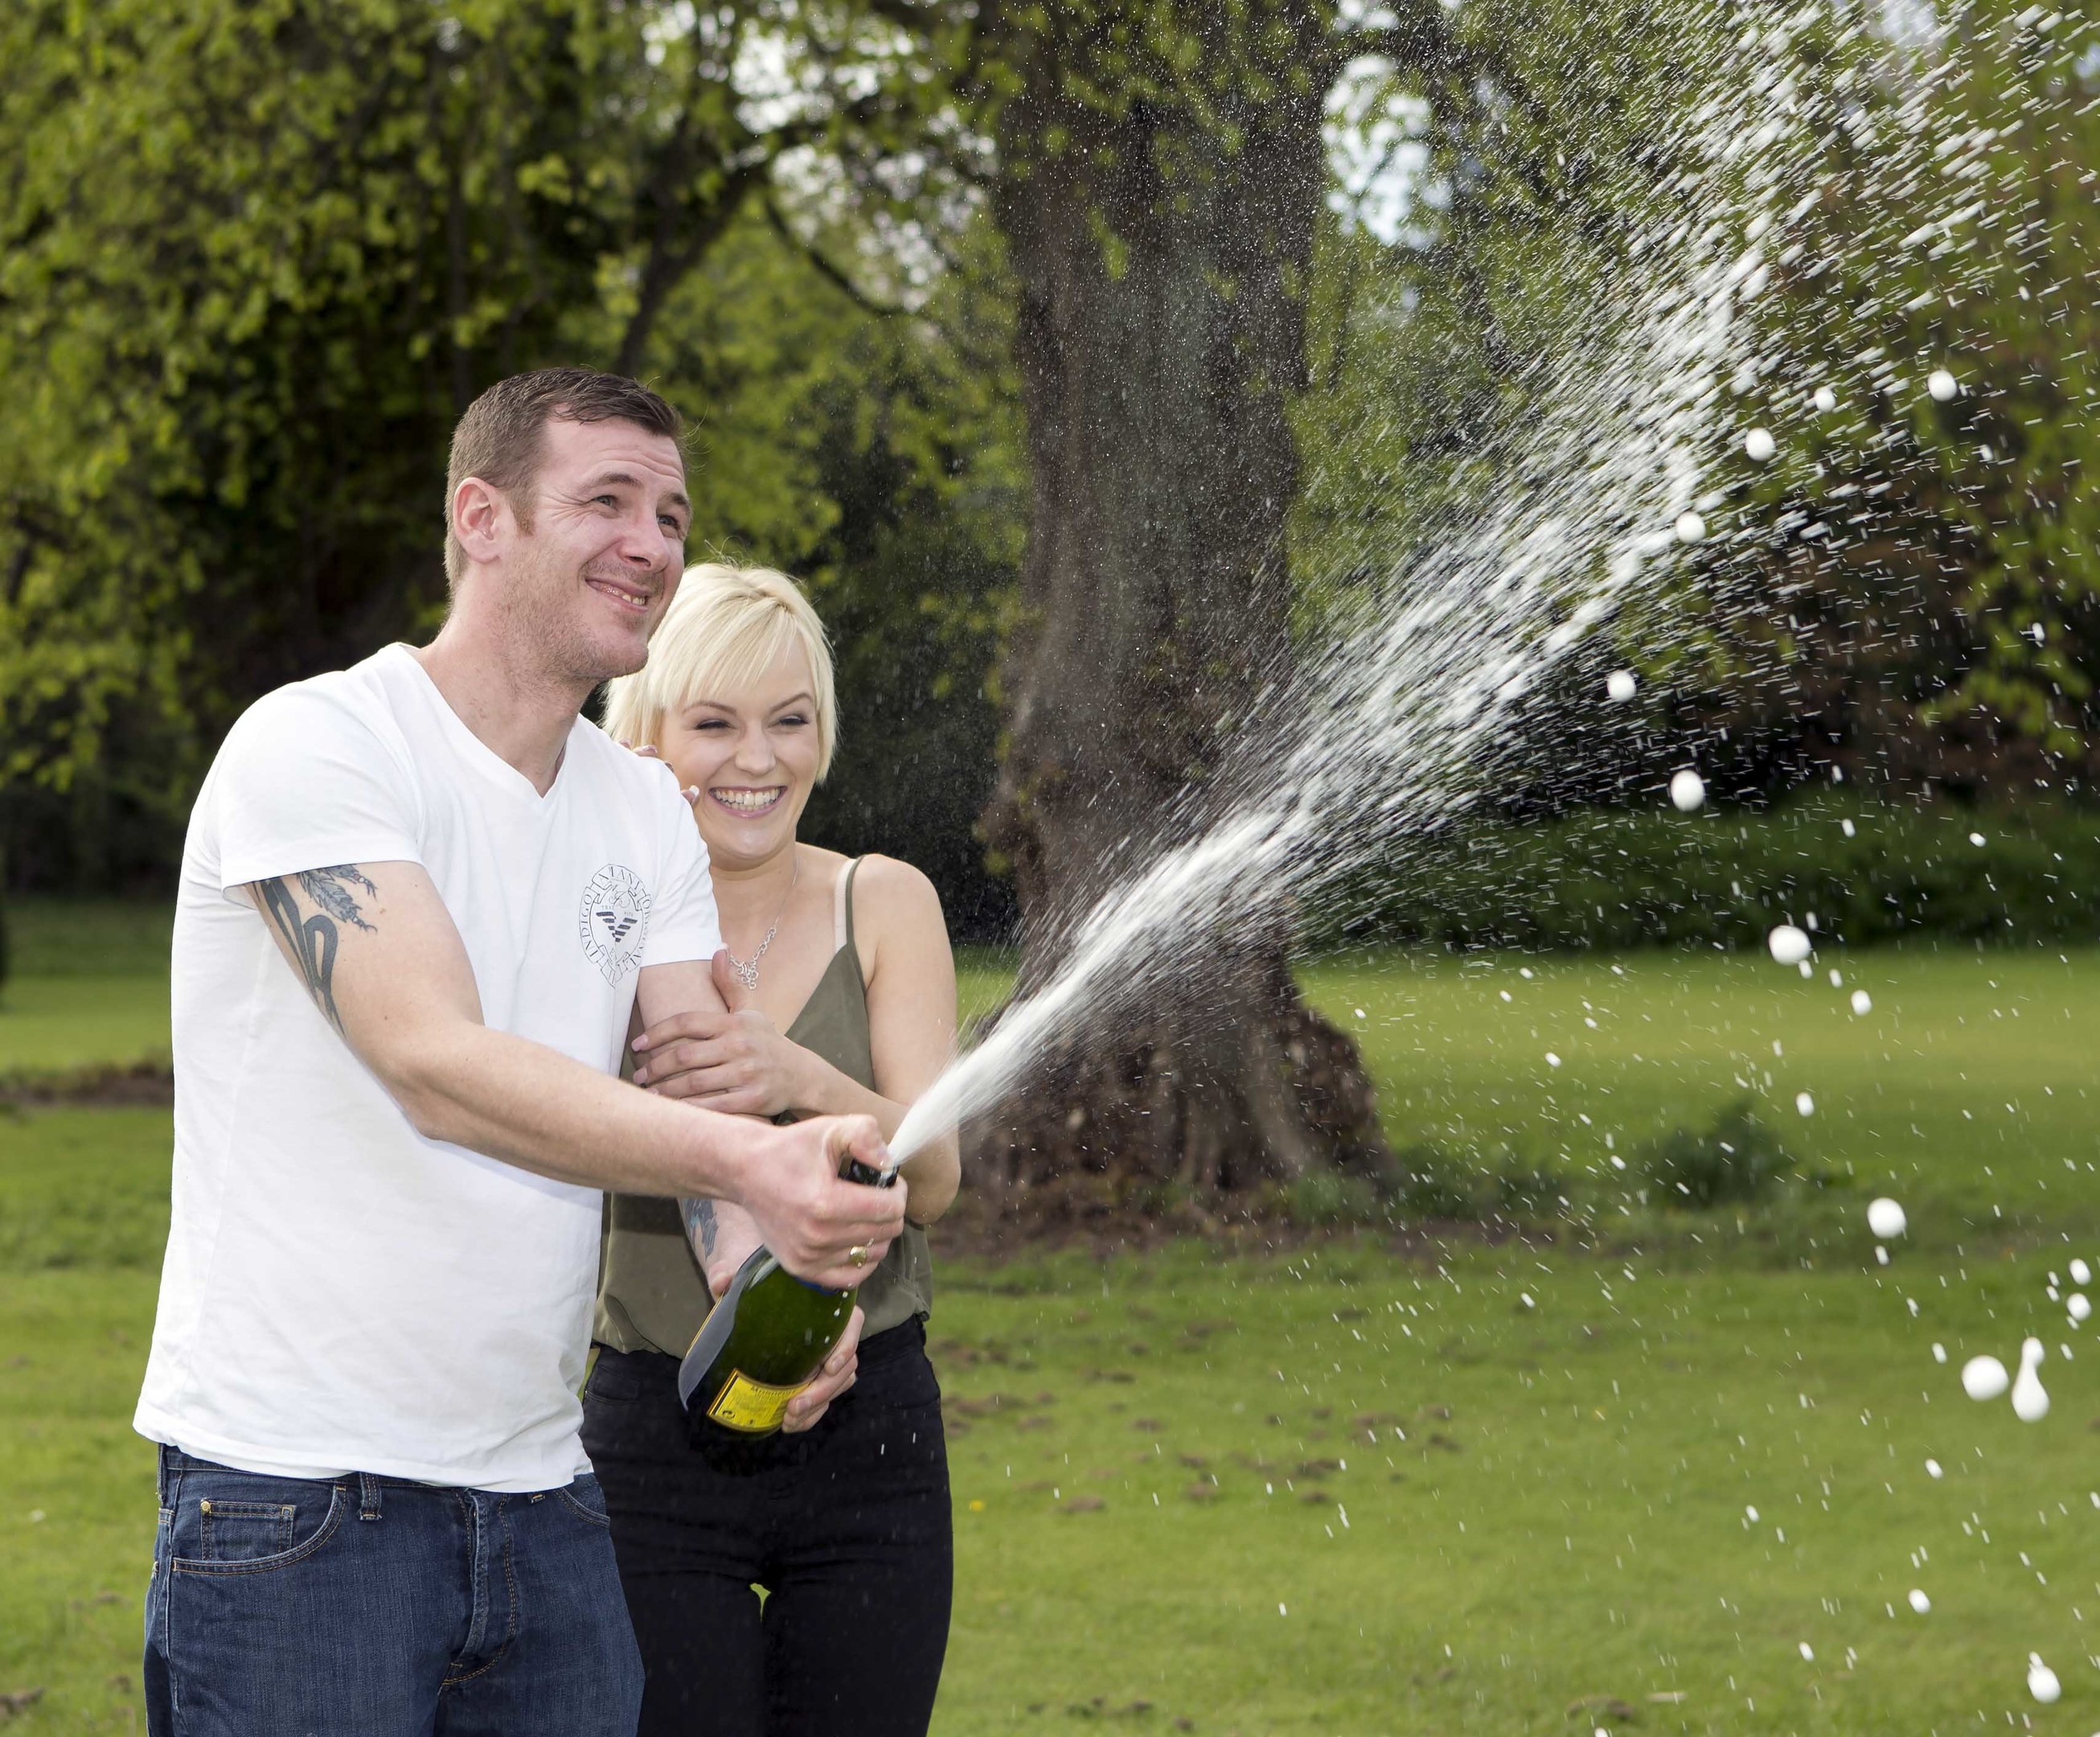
x: 364, y: 1606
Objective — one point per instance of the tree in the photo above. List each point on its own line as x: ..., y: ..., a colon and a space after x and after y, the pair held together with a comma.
x: 254, y: 259
x: 1157, y: 169
x: 1160, y: 173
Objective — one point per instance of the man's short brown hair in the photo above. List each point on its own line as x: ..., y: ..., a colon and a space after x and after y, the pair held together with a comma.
x: 503, y: 434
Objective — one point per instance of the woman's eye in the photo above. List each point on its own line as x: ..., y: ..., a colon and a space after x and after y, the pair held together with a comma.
x: 793, y: 721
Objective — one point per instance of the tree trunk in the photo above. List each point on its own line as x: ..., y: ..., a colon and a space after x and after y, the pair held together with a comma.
x: 1159, y: 215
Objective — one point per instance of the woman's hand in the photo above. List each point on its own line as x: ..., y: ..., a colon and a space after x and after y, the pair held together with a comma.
x: 723, y: 1237
x: 841, y: 1370
x: 736, y: 1062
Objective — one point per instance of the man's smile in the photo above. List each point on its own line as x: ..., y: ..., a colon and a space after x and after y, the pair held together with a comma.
x: 628, y: 593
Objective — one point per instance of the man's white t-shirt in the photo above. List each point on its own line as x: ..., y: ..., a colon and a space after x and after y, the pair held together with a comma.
x: 340, y: 1293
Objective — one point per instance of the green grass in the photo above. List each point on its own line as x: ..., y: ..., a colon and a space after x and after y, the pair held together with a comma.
x: 1575, y: 1527
x: 984, y: 979
x: 83, y: 1213
x: 59, y: 1025
x: 89, y: 937
x: 89, y: 985
x: 1971, y: 1080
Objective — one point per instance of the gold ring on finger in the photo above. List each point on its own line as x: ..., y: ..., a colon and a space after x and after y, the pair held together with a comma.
x: 858, y: 1254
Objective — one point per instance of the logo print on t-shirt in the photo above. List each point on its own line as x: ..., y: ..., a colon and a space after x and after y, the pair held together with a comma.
x: 613, y: 920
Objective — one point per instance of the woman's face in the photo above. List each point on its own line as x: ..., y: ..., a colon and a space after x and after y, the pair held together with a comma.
x: 752, y: 755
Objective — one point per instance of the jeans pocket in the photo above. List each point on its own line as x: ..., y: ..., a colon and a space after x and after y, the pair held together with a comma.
x: 243, y: 1531
x: 269, y: 1523
x: 585, y: 1498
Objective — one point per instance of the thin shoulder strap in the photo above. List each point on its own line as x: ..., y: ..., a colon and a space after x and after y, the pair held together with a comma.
x: 842, y: 922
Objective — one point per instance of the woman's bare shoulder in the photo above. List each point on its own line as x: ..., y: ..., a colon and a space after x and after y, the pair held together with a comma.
x: 887, y: 892
x: 894, y: 902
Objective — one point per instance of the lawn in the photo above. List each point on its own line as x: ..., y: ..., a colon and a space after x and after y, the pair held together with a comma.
x: 1336, y: 1487
x: 1971, y: 1079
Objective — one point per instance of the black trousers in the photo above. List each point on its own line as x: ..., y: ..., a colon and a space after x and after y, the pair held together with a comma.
x: 847, y: 1527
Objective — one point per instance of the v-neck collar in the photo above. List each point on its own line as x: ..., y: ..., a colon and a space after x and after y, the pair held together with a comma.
x: 485, y: 760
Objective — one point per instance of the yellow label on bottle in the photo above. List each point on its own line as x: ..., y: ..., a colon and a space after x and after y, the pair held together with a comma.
x: 746, y: 1404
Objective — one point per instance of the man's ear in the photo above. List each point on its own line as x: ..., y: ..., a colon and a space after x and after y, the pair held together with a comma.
x: 481, y: 520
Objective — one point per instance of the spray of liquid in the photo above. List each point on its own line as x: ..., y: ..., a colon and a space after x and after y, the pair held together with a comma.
x: 1630, y: 448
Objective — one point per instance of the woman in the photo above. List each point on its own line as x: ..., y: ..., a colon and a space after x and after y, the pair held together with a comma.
x: 841, y: 997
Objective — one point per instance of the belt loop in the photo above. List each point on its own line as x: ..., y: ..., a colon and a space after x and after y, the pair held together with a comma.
x: 367, y: 1496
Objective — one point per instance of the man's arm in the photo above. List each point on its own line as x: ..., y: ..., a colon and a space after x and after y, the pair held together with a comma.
x: 378, y: 953
x: 721, y: 1234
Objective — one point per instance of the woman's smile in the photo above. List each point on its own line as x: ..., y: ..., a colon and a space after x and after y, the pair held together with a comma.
x: 745, y: 802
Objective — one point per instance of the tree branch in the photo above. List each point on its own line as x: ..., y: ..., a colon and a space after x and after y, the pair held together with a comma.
x: 669, y: 263
x: 827, y: 269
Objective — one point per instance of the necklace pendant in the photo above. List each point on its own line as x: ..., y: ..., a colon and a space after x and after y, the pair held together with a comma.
x: 746, y: 975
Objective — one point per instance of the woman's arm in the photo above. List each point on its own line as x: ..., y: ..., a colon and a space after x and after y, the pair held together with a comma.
x: 910, y: 1018
x: 740, y: 1062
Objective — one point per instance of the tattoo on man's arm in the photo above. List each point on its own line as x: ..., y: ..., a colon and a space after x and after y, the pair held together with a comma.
x: 700, y: 1224
x: 313, y: 940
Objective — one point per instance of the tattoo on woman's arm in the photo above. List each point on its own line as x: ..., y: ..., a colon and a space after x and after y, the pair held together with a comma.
x: 313, y: 940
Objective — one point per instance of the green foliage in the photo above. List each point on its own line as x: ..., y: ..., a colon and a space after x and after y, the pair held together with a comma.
x: 878, y: 459
x: 1615, y: 879
x: 91, y: 937
x: 1912, y: 593
x: 1495, y: 1183
x: 1734, y: 1160
x: 918, y: 442
x: 1532, y: 139
x: 1525, y: 1190
x: 255, y: 260
x: 1963, y: 585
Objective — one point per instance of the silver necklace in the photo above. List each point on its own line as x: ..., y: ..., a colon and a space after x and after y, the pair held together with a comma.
x: 747, y: 972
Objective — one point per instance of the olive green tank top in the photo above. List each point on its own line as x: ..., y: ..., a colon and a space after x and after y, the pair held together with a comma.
x: 650, y: 1295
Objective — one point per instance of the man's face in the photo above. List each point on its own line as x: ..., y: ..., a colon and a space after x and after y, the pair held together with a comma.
x: 597, y: 569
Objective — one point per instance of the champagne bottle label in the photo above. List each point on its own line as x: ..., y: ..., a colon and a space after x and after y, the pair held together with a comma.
x: 751, y: 1406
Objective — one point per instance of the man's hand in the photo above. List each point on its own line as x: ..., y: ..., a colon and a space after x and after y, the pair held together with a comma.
x: 736, y: 1062
x: 810, y: 1217
x: 841, y: 1370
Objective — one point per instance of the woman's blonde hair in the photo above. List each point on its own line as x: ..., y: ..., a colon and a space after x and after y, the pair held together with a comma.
x: 724, y: 629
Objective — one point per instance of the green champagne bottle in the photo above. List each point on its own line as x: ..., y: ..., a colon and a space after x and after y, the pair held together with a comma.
x: 764, y: 1341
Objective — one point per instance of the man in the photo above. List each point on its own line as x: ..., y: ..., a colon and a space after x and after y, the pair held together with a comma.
x: 420, y: 900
